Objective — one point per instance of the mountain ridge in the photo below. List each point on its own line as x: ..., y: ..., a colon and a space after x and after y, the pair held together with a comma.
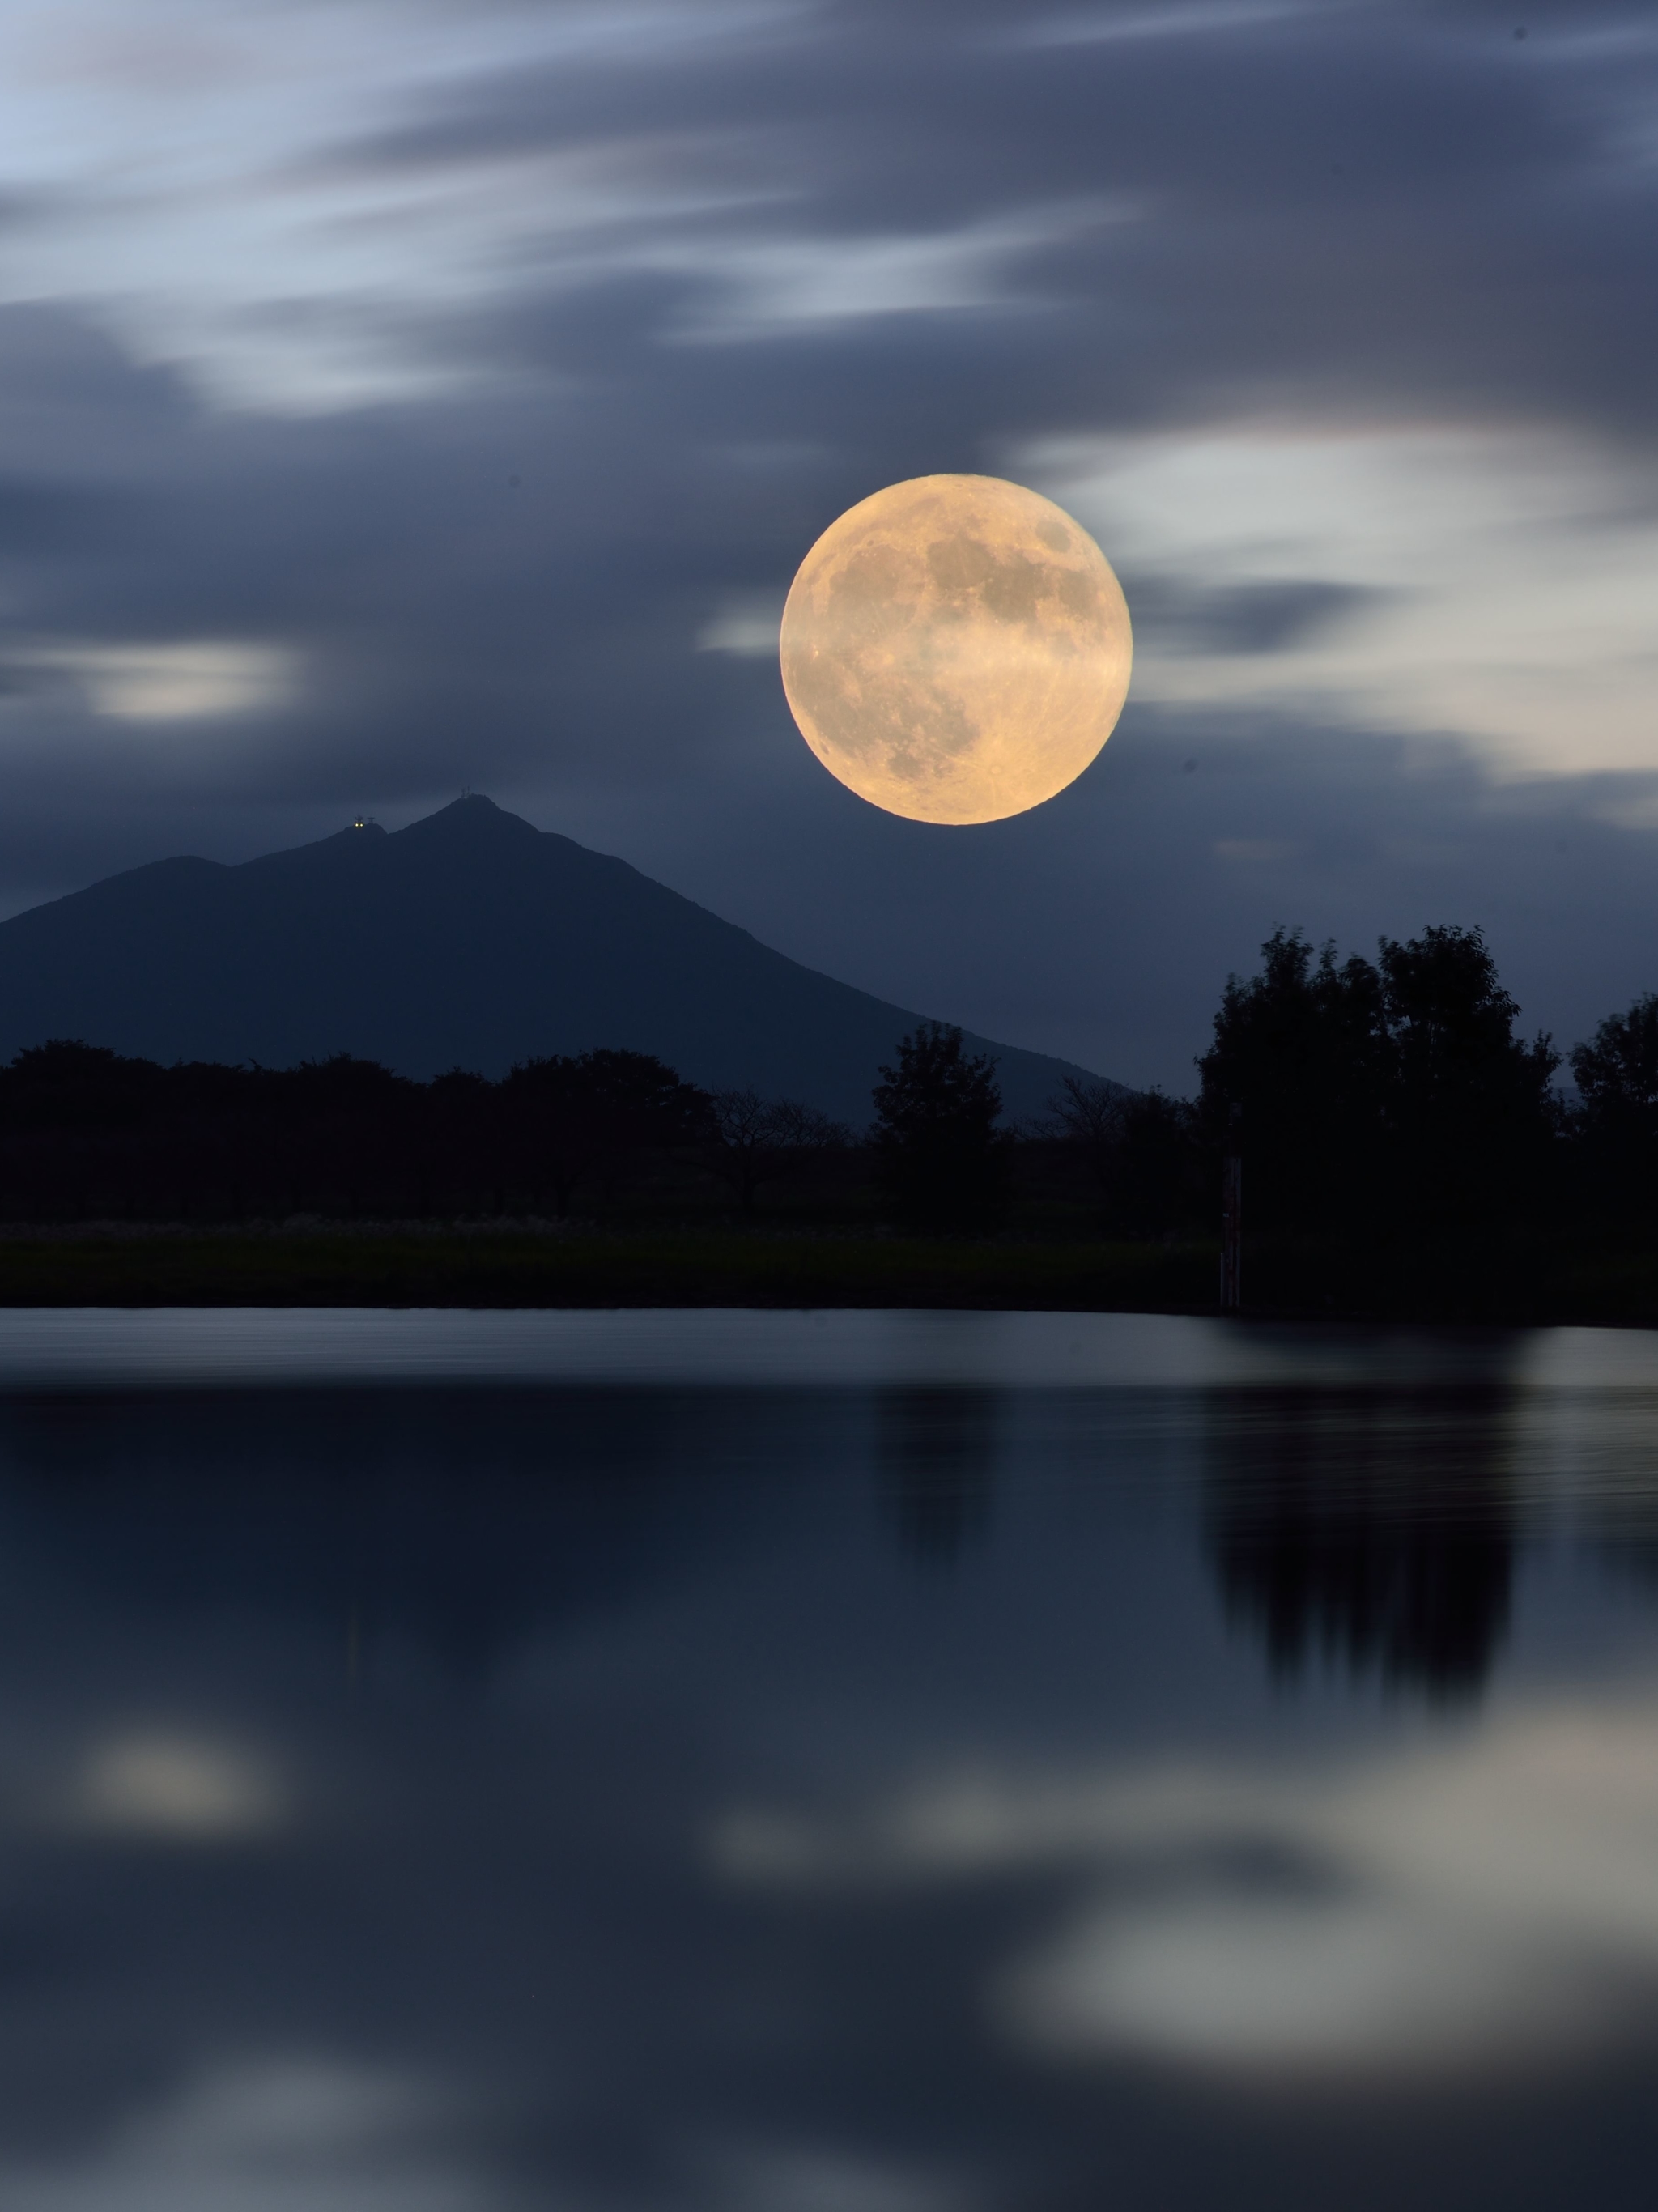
x: 468, y: 938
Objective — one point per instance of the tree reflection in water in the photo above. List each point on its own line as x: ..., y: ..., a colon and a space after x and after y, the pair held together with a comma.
x: 1371, y: 1530
x: 936, y: 1452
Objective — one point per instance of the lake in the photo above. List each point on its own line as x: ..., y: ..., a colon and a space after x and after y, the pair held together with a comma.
x: 841, y: 1762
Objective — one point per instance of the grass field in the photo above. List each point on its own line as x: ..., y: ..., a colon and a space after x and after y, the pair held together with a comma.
x: 418, y: 1266
x: 1541, y: 1281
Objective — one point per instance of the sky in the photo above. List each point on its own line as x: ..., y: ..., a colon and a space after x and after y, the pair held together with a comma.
x: 405, y: 397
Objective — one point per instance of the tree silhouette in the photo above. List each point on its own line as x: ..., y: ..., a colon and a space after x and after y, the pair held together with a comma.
x: 1396, y: 1092
x: 944, y: 1163
x: 84, y: 1132
x: 1617, y: 1120
x: 751, y: 1139
x: 557, y: 1124
x: 582, y: 1118
x: 1089, y: 1114
x: 1302, y: 1049
x: 1139, y: 1150
x: 1470, y: 1101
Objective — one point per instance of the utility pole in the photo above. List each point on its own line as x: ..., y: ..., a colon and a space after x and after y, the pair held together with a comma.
x: 1231, y: 1215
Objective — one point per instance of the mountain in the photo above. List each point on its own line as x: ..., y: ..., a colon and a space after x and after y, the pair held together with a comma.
x: 469, y: 940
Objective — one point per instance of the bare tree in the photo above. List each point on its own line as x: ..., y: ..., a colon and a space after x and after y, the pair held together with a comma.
x: 753, y: 1140
x: 1088, y: 1114
x: 1138, y: 1147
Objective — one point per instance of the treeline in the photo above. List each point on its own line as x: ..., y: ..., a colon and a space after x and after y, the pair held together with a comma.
x: 86, y: 1134
x: 1386, y: 1102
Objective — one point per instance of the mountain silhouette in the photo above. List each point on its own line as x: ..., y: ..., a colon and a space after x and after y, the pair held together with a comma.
x: 469, y: 940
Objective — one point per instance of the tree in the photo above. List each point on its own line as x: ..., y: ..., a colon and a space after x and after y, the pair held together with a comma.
x: 1302, y: 1049
x: 1617, y: 1078
x: 584, y: 1117
x: 1138, y: 1146
x: 753, y: 1140
x: 1617, y: 1073
x: 1089, y: 1114
x: 1156, y: 1165
x: 1393, y: 1093
x: 460, y: 1151
x: 1470, y: 1106
x: 944, y: 1163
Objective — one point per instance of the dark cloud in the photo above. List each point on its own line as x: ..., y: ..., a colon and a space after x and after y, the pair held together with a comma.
x: 1382, y: 195
x: 1393, y: 212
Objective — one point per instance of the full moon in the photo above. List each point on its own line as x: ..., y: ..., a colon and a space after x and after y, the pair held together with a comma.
x: 955, y: 649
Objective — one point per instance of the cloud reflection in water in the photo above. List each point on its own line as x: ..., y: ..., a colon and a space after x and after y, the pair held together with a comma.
x: 175, y: 1787
x: 846, y: 1800
x: 1460, y: 1903
x: 287, y: 2134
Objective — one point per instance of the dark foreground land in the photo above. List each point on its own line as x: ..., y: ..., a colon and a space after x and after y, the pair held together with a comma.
x: 527, y: 1265
x: 489, y: 1265
x: 1404, y: 1158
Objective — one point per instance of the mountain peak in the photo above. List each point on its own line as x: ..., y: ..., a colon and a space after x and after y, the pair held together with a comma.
x: 471, y: 939
x: 471, y: 815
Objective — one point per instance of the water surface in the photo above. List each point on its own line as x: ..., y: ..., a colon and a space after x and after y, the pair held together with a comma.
x: 453, y: 1762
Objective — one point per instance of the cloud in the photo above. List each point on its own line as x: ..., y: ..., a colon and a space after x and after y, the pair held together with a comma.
x: 1475, y: 1902
x: 746, y: 624
x: 775, y: 284
x: 1314, y: 186
x: 1499, y: 583
x: 182, y: 682
x: 1180, y: 19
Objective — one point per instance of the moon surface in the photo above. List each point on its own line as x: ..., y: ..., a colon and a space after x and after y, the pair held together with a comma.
x: 955, y: 649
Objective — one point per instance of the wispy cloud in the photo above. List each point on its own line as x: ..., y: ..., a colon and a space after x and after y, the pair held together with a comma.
x: 1498, y: 584
x: 189, y: 682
